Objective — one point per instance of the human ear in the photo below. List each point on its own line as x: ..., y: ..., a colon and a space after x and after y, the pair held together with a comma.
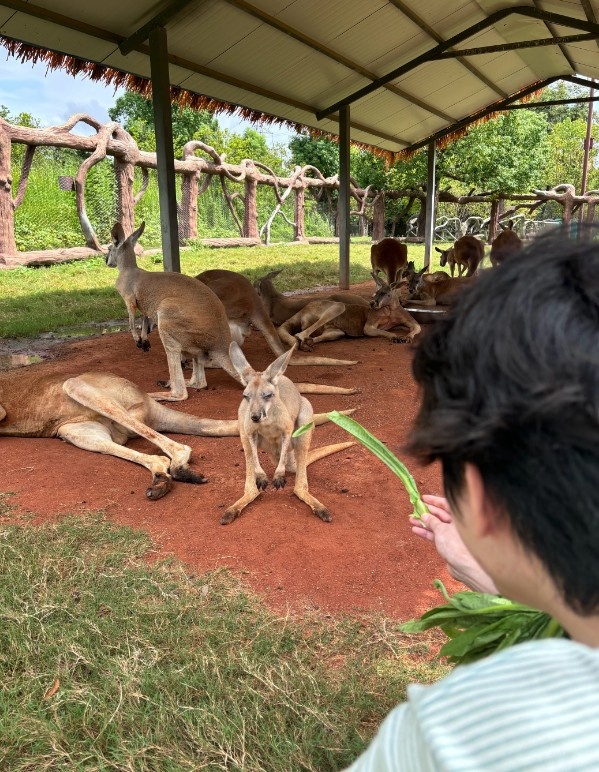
x: 482, y: 512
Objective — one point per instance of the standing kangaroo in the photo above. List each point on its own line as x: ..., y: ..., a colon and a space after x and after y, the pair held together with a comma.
x: 191, y: 320
x: 271, y: 410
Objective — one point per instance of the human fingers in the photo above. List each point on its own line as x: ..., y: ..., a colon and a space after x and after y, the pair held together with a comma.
x: 438, y: 506
x: 424, y: 533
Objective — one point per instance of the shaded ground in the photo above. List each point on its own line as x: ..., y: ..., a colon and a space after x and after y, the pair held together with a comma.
x: 365, y: 560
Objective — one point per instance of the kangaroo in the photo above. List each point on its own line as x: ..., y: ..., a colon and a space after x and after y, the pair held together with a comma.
x: 191, y: 320
x: 330, y: 319
x: 244, y: 308
x: 280, y: 307
x: 466, y: 253
x: 436, y: 289
x: 270, y: 411
x: 389, y: 256
x: 505, y: 244
x: 99, y: 412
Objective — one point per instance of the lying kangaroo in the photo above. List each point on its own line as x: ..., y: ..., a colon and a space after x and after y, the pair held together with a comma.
x: 100, y: 412
x: 271, y: 410
x: 280, y: 307
x: 244, y: 308
x: 330, y: 319
x: 437, y: 289
x: 191, y: 320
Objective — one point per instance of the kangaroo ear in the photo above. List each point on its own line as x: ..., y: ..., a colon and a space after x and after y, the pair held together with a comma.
x: 276, y: 369
x: 378, y: 281
x: 118, y: 234
x: 272, y: 274
x: 438, y: 250
x: 136, y: 234
x: 240, y: 363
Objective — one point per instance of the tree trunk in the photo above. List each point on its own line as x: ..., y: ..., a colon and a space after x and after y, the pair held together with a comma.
x: 125, y: 202
x: 378, y: 218
x: 493, y: 220
x: 299, y: 229
x: 188, y: 219
x: 8, y: 245
x: 250, y: 213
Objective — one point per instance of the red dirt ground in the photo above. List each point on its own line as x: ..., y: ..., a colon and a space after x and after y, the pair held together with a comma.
x: 365, y: 560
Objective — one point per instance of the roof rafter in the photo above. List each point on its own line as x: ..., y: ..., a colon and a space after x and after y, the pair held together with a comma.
x: 553, y: 32
x: 316, y: 45
x: 111, y: 37
x: 490, y: 20
x: 159, y: 20
x: 419, y: 21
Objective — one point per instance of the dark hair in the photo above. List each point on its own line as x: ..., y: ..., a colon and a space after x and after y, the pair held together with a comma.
x: 510, y: 384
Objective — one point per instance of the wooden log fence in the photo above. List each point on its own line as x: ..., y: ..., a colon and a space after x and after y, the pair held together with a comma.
x: 198, y: 172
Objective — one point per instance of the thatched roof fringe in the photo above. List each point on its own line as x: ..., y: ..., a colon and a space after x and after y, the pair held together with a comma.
x: 449, y: 139
x: 180, y: 96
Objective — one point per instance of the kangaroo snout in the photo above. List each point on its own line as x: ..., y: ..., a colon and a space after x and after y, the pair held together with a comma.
x: 257, y: 417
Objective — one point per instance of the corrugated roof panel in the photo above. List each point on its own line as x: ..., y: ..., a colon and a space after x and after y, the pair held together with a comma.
x: 21, y: 26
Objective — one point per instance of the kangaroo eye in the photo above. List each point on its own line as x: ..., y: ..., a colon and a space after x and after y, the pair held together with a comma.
x: 268, y: 395
x: 246, y: 396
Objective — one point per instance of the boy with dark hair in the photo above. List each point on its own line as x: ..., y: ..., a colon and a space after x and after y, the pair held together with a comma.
x: 510, y: 407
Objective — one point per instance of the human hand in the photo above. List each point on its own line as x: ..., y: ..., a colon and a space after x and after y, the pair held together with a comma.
x: 439, y: 528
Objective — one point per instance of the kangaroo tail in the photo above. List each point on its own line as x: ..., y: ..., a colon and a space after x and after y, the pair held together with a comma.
x: 298, y: 361
x: 322, y: 418
x: 320, y: 388
x: 326, y: 450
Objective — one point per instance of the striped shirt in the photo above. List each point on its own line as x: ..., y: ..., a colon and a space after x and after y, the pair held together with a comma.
x: 534, y: 706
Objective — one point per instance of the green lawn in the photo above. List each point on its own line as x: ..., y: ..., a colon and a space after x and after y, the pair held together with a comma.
x: 37, y: 300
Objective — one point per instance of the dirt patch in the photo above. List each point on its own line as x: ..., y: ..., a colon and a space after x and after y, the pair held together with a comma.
x: 365, y: 560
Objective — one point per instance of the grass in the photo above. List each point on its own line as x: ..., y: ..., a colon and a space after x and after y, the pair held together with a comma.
x: 109, y: 662
x: 38, y: 300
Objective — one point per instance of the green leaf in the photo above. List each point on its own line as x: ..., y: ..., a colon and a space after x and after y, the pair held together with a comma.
x: 375, y: 446
x: 303, y: 429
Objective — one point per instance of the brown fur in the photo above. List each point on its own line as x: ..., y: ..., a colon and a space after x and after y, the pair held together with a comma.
x: 505, y: 244
x: 280, y: 307
x: 435, y: 290
x: 389, y: 256
x: 466, y: 253
x: 271, y: 410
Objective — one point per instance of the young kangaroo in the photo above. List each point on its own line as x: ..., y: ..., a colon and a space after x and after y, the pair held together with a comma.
x: 191, y: 320
x: 271, y: 410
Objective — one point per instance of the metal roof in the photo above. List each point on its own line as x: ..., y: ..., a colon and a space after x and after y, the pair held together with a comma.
x: 299, y: 60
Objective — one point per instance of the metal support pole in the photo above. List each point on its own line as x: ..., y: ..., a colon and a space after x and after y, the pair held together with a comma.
x: 429, y: 227
x: 167, y: 191
x: 343, y: 206
x: 588, y: 141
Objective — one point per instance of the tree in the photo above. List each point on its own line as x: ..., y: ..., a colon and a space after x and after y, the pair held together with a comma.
x: 566, y: 152
x: 507, y: 154
x: 251, y: 144
x: 136, y: 114
x: 558, y: 113
x: 322, y: 153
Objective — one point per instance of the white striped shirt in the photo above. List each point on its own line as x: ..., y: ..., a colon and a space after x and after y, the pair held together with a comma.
x: 534, y: 706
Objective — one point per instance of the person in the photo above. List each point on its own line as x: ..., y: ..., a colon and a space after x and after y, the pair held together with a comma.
x: 509, y: 386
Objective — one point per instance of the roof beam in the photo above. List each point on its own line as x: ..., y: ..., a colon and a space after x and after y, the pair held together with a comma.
x: 316, y: 45
x: 589, y: 13
x: 419, y: 21
x: 516, y: 45
x: 143, y: 33
x: 495, y: 108
x: 562, y: 47
x: 492, y: 19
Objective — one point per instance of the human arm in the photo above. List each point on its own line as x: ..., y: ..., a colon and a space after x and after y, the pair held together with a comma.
x: 438, y: 527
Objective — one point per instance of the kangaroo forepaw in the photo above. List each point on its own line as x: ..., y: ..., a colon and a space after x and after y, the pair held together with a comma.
x: 229, y: 516
x: 323, y: 513
x: 261, y: 482
x: 279, y: 482
x: 145, y: 345
x: 305, y: 345
x: 161, y: 485
x: 400, y: 340
x: 184, y: 474
x: 164, y: 384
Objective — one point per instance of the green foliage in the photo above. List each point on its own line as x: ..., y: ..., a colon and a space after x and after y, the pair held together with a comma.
x: 508, y: 154
x: 558, y: 113
x: 321, y: 153
x: 479, y: 624
x: 566, y: 153
x: 251, y: 144
x: 136, y: 114
x: 108, y: 662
